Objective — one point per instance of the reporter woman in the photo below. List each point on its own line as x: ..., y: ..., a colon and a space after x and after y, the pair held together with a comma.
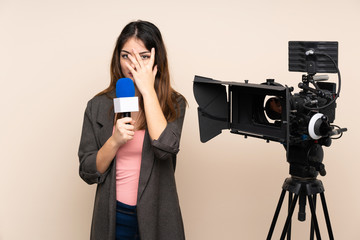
x: 132, y: 160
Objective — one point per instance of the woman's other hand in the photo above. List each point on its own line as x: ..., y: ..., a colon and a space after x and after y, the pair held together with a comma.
x: 143, y: 71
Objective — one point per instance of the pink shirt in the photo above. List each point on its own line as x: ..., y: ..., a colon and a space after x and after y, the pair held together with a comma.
x: 128, y: 162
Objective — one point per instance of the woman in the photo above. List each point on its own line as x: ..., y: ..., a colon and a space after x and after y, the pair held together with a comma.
x: 132, y: 160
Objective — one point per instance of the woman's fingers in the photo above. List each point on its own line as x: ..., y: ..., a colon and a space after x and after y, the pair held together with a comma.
x: 152, y: 57
x: 132, y: 70
x: 138, y: 59
x: 125, y: 127
x: 125, y: 120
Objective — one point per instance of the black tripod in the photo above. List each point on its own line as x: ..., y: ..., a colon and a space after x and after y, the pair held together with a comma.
x: 302, y: 188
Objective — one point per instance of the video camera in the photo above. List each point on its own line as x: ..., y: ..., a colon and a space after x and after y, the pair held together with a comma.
x: 302, y: 121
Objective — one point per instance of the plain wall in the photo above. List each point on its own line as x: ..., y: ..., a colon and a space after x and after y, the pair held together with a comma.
x: 55, y: 56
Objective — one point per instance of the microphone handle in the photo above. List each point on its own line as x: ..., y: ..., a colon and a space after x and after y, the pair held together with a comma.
x: 126, y: 114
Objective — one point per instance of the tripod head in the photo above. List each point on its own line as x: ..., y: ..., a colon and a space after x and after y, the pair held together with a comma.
x: 306, y: 159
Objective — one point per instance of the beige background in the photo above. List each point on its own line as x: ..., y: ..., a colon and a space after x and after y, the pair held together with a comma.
x: 55, y: 55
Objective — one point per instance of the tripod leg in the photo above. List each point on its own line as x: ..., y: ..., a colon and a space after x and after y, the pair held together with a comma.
x: 276, y: 215
x: 327, y: 218
x: 312, y: 221
x: 288, y: 219
x: 313, y: 215
x: 288, y: 236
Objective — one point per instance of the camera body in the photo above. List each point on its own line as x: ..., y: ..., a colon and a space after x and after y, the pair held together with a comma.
x: 309, y: 129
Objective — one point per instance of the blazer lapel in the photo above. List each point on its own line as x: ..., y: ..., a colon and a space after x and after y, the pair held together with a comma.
x: 147, y: 163
x: 105, y: 118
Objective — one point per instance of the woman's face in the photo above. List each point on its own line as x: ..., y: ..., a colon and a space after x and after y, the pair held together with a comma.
x: 138, y: 45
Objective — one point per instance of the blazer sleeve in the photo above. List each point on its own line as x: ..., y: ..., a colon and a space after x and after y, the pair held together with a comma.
x: 167, y: 145
x: 88, y: 149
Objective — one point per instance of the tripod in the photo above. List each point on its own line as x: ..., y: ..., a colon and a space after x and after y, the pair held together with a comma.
x: 301, y: 188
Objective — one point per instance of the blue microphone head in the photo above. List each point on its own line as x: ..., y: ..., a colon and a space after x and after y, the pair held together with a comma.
x: 125, y: 88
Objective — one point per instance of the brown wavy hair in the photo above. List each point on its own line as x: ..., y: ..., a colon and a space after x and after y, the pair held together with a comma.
x: 150, y: 35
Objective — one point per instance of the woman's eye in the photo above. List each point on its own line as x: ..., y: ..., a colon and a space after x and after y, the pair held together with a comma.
x: 124, y: 56
x: 144, y: 57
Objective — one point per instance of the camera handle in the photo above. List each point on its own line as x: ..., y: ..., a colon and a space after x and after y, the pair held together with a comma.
x: 306, y: 79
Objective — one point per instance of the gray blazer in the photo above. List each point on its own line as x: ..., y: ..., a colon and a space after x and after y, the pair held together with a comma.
x: 158, y: 207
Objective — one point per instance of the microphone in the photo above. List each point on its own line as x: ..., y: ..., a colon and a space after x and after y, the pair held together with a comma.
x: 125, y: 101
